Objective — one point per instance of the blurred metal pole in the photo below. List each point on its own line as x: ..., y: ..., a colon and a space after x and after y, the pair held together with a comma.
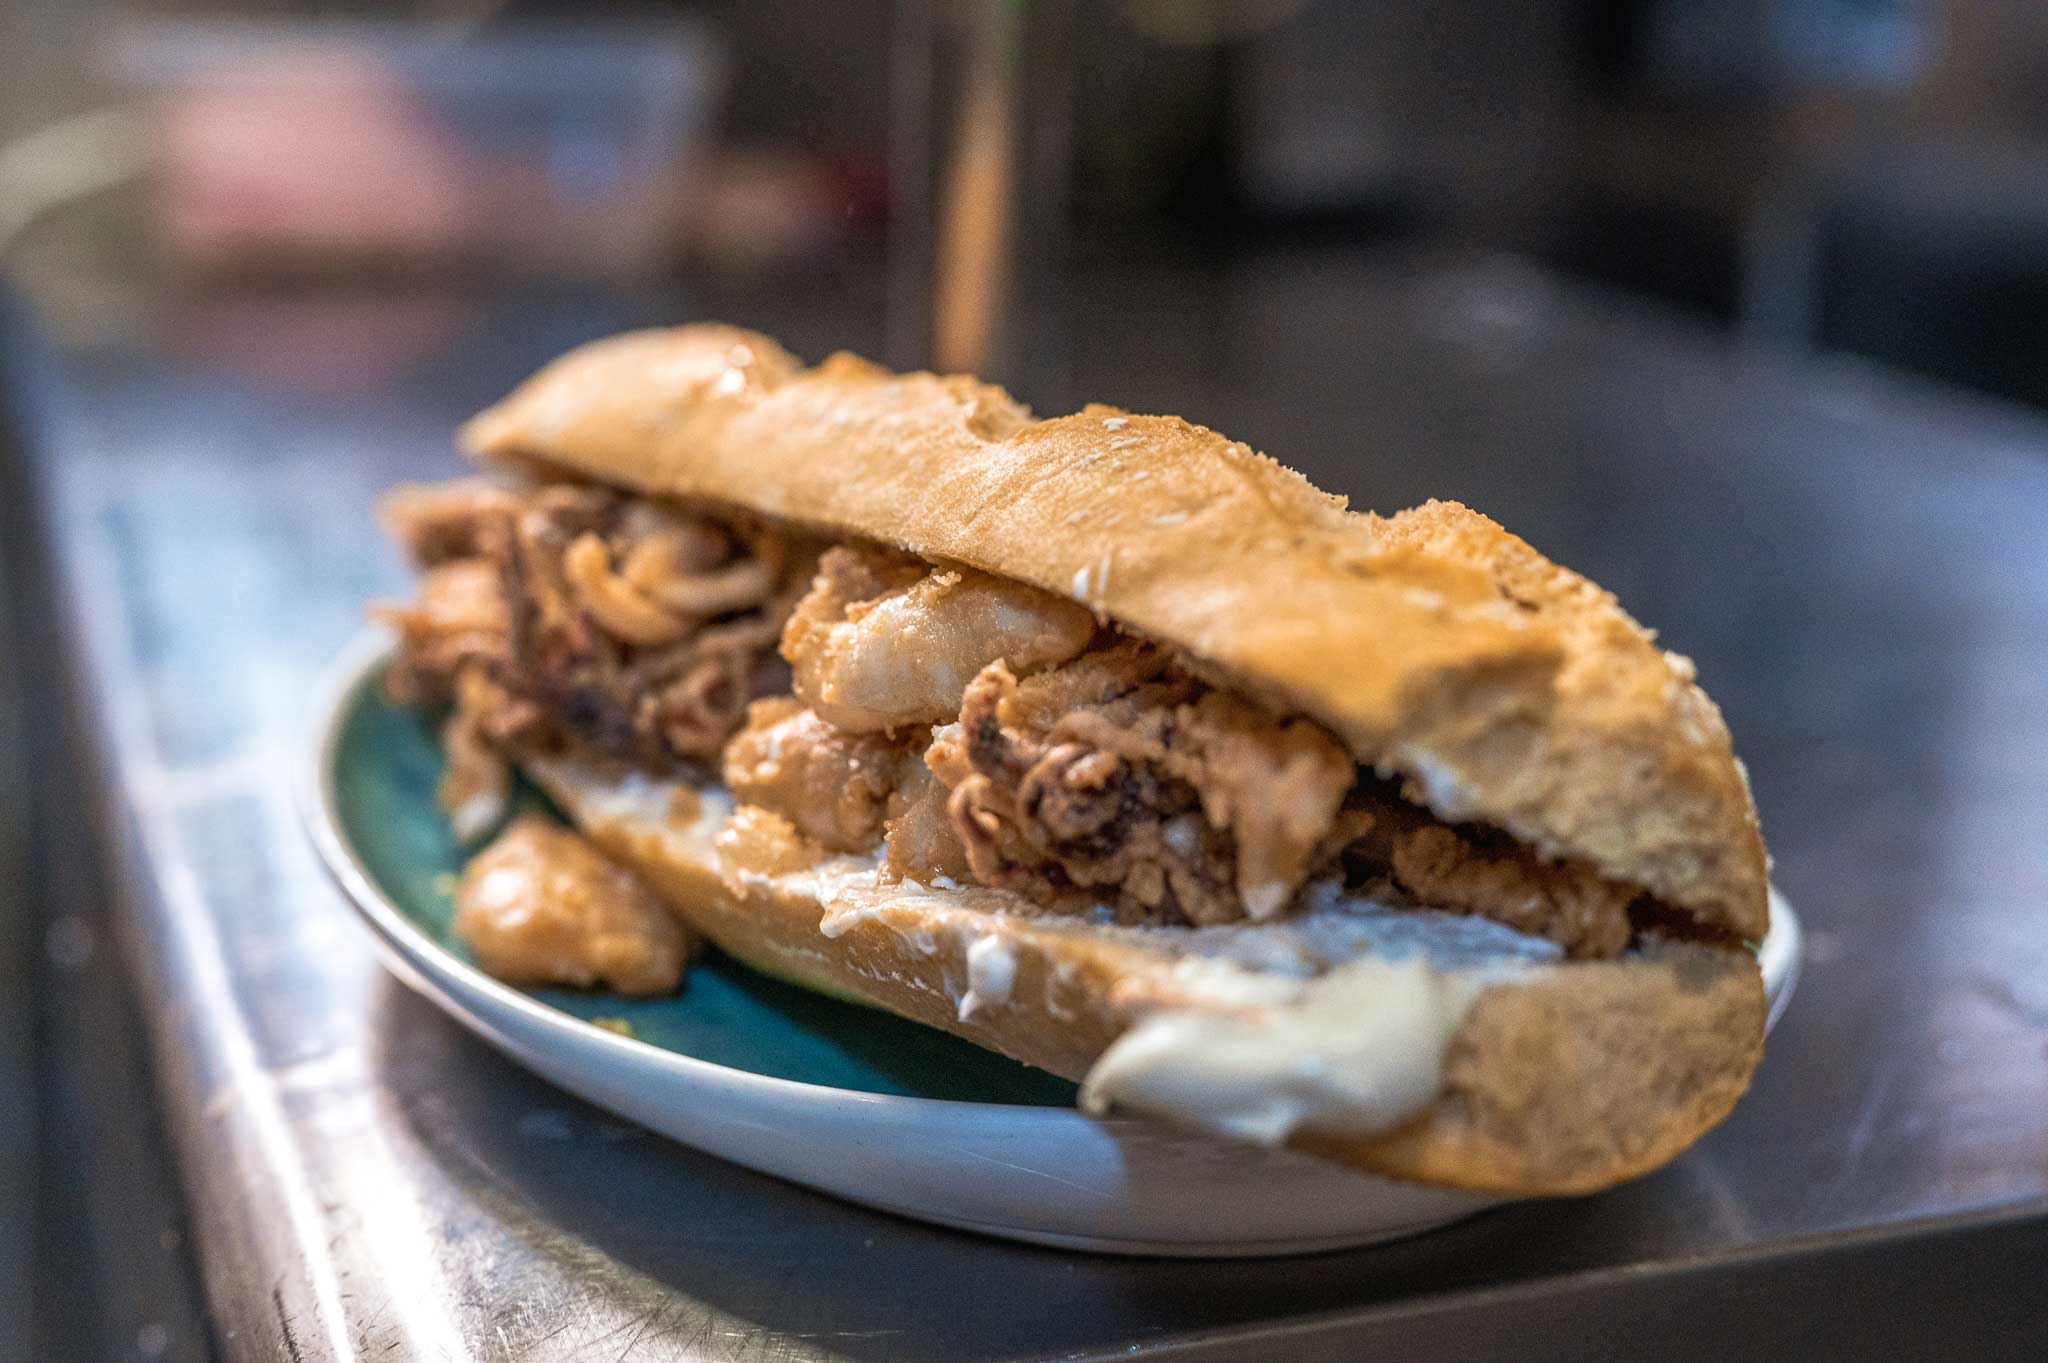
x: 977, y: 195
x: 980, y: 158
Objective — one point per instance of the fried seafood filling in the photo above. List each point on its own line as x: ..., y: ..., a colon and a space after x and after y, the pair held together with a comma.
x: 542, y: 906
x: 983, y: 730
x: 590, y: 618
x: 1120, y: 775
x: 970, y: 728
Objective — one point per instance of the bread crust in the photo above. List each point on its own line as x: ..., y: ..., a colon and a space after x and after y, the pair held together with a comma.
x: 1567, y: 1079
x: 1507, y: 690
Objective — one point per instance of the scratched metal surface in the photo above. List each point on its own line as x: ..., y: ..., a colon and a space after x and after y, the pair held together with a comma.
x: 1859, y: 566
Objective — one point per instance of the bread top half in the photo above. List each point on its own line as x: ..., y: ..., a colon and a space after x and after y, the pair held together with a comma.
x: 1504, y: 689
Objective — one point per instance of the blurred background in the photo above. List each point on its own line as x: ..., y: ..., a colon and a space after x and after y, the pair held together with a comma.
x: 1868, y: 175
x: 322, y: 202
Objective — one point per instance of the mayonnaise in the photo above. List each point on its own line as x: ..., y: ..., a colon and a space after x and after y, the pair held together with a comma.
x: 1353, y: 1048
x: 991, y: 970
x: 1360, y: 1050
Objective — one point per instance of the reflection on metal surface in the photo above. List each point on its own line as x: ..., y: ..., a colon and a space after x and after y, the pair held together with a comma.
x: 232, y: 1084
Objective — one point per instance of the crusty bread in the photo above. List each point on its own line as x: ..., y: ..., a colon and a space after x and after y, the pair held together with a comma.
x: 1566, y: 1079
x: 1441, y: 648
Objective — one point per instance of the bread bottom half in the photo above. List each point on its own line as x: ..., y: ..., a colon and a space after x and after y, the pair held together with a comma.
x: 1561, y: 1077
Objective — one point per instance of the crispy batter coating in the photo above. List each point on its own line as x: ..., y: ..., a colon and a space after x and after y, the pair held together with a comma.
x: 1121, y: 775
x: 1468, y: 871
x: 922, y: 842
x: 639, y: 628
x: 457, y: 618
x: 834, y: 786
x: 885, y: 641
x: 542, y: 906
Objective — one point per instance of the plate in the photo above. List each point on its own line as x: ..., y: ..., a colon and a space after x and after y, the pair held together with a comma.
x: 834, y: 1095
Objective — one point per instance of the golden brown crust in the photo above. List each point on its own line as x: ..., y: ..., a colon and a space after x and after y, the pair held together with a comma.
x: 1440, y: 647
x: 1572, y: 1078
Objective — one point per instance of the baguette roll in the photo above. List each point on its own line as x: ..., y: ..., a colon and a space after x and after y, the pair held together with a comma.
x: 1508, y: 725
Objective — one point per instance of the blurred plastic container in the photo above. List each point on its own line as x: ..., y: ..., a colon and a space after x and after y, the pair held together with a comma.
x: 539, y: 149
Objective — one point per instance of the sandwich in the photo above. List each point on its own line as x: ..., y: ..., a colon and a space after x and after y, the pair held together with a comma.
x: 1101, y: 741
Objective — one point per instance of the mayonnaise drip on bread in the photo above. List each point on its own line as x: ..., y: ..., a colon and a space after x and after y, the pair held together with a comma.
x: 1360, y: 1050
x: 1357, y: 1049
x: 991, y: 970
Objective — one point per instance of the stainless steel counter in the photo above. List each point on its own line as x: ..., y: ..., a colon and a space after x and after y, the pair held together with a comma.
x: 1859, y: 566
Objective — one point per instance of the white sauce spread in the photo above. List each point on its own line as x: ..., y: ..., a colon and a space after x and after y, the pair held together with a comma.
x: 844, y: 911
x: 1334, y: 1021
x: 1359, y: 1050
x: 991, y: 970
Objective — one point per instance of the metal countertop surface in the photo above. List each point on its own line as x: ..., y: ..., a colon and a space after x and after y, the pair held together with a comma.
x: 1858, y: 563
